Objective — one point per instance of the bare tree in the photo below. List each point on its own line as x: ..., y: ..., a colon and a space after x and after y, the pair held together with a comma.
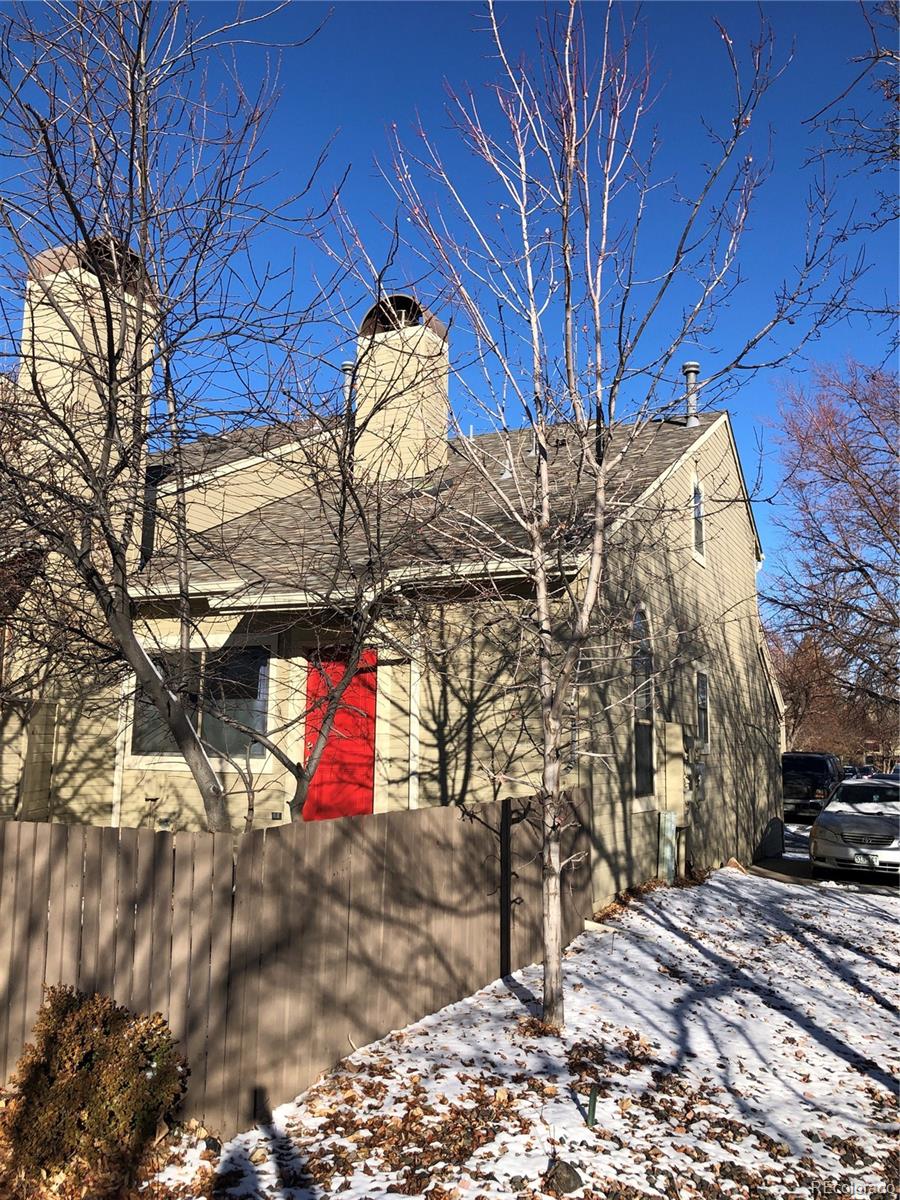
x: 857, y: 132
x: 820, y: 714
x: 836, y: 585
x: 132, y: 190
x: 862, y: 123
x: 574, y: 335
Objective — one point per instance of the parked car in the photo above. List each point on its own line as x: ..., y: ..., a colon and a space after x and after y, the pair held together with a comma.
x: 807, y: 781
x: 851, y: 771
x: 858, y: 828
x: 866, y: 770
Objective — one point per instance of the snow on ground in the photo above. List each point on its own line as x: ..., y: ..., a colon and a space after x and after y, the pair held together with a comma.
x: 740, y: 1034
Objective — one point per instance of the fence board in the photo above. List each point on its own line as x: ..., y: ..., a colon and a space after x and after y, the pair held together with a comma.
x: 318, y: 948
x: 59, y: 841
x: 182, y: 919
x: 161, y: 948
x: 70, y: 955
x: 217, y: 1103
x: 8, y: 948
x: 109, y: 868
x: 365, y: 930
x: 194, y: 862
x: 126, y: 894
x: 19, y: 1022
x: 297, y: 914
x: 36, y: 935
x: 143, y: 921
x: 90, y: 916
x: 243, y: 1003
x: 273, y: 985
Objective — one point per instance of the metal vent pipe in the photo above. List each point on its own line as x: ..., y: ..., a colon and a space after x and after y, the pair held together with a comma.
x: 690, y: 371
x: 347, y: 368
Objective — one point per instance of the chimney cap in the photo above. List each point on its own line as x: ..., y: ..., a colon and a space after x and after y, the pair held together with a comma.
x: 400, y: 311
x: 106, y: 257
x: 690, y: 368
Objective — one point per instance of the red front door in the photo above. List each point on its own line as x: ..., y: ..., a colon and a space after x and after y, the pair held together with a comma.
x: 344, y: 782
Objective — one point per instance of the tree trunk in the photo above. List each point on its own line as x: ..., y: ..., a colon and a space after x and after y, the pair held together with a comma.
x: 301, y: 790
x: 551, y: 917
x: 207, y: 781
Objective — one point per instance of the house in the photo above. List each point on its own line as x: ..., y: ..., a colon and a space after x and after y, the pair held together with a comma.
x: 362, y: 522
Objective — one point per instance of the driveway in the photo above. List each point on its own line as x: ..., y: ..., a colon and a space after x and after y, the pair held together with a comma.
x: 793, y: 865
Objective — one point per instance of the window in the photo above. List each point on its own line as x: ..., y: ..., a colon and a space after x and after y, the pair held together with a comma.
x: 697, y: 511
x: 702, y: 709
x: 223, y: 684
x: 150, y: 734
x: 235, y: 685
x: 642, y: 680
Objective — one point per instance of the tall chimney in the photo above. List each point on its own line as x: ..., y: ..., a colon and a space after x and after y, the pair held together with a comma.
x: 68, y: 334
x: 690, y: 371
x: 400, y: 393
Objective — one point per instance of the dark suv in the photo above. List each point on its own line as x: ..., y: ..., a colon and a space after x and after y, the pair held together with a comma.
x: 807, y: 780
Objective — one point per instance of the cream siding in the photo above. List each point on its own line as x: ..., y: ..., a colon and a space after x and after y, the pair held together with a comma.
x: 704, y: 616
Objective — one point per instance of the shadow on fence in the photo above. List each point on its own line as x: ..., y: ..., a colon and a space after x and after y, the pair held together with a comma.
x: 274, y: 954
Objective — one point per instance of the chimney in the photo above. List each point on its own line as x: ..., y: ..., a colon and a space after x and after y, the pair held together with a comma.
x: 690, y: 371
x: 66, y: 335
x: 401, y: 396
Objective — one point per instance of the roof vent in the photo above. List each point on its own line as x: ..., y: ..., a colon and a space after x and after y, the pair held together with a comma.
x: 690, y: 371
x: 347, y: 370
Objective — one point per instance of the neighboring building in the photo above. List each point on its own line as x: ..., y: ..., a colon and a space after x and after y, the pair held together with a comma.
x: 675, y: 709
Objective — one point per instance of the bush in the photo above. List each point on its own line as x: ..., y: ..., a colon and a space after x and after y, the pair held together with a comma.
x: 90, y: 1090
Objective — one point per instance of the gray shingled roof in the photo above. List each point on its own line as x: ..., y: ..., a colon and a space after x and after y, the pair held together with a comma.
x: 219, y: 450
x: 301, y: 543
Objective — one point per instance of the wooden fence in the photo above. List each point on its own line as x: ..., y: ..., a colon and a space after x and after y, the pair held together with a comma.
x: 274, y: 953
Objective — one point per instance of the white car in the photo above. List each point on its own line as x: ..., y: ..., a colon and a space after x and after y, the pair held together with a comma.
x: 859, y: 828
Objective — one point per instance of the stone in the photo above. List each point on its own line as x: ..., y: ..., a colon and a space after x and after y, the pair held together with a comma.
x: 563, y: 1177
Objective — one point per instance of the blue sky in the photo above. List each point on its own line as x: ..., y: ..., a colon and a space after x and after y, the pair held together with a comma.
x: 377, y: 64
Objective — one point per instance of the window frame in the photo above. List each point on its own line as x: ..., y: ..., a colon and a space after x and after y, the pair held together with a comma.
x: 172, y: 760
x: 697, y: 510
x: 647, y: 722
x: 702, y: 743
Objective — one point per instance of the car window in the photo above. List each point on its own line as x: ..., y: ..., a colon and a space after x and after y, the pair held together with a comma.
x: 813, y: 765
x: 867, y: 793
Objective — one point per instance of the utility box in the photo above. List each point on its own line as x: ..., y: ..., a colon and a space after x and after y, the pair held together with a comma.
x: 675, y: 776
x: 667, y: 847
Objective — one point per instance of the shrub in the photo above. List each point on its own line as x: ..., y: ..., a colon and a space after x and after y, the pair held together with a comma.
x: 90, y: 1089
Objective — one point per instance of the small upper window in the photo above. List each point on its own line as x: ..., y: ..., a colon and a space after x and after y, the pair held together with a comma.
x: 642, y: 678
x: 698, y: 519
x: 642, y: 668
x: 702, y: 708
